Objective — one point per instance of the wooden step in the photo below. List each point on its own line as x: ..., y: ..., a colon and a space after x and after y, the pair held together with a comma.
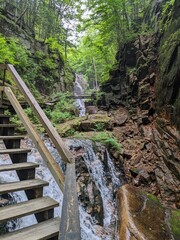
x: 26, y: 208
x: 6, y: 125
x: 22, y: 185
x: 18, y: 166
x: 42, y: 231
x: 4, y: 115
x: 15, y: 151
x: 12, y: 137
x: 4, y: 106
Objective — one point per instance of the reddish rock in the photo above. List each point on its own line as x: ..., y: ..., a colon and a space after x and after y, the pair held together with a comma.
x: 91, y: 109
x: 140, y: 217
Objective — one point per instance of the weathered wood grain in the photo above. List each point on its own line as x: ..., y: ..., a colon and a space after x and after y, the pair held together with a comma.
x: 70, y: 223
x: 46, y: 155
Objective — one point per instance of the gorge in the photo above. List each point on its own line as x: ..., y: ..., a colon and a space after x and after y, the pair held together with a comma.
x: 126, y: 139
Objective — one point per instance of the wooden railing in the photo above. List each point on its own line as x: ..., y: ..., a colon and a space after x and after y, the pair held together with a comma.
x: 70, y: 223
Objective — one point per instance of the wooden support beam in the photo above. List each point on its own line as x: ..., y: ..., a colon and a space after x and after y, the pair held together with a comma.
x: 70, y: 223
x: 46, y: 155
x: 53, y: 134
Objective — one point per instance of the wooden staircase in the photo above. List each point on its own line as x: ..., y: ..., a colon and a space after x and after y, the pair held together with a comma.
x: 47, y: 226
x: 41, y: 207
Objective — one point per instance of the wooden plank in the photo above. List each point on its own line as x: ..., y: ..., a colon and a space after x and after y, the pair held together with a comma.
x: 18, y: 166
x: 26, y: 208
x: 22, y: 185
x: 51, y: 163
x: 4, y: 116
x: 12, y: 137
x: 41, y: 231
x: 53, y: 134
x: 7, y: 125
x: 3, y: 106
x: 15, y: 151
x: 70, y: 223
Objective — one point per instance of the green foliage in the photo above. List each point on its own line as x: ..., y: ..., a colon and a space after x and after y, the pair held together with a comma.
x: 166, y: 15
x: 99, y: 126
x: 108, y: 25
x: 12, y: 52
x: 31, y: 115
x: 63, y: 110
x: 175, y: 224
x: 107, y: 139
x: 60, y: 117
x: 55, y: 45
x: 93, y: 57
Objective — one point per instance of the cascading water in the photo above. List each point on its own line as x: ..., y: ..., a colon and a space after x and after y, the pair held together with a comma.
x: 103, y: 175
x: 106, y: 187
x: 79, y: 91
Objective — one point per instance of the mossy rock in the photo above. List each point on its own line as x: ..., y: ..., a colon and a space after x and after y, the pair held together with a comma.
x: 94, y: 122
x: 141, y: 216
x: 175, y: 224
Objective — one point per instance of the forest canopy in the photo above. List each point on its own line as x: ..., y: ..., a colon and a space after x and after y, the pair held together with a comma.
x: 87, y: 33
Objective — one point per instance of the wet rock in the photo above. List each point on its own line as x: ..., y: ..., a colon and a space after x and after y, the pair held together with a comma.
x: 152, y: 78
x: 130, y: 55
x: 141, y: 216
x: 144, y: 91
x: 141, y: 61
x: 145, y: 105
x: 142, y: 71
x: 91, y: 109
x: 88, y: 193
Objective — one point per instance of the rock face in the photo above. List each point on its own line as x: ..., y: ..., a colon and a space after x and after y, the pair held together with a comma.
x: 168, y: 85
x: 144, y: 85
x: 141, y: 216
x: 147, y: 71
x: 45, y: 69
x: 151, y: 158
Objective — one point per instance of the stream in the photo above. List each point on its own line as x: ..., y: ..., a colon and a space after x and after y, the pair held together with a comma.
x: 98, y: 168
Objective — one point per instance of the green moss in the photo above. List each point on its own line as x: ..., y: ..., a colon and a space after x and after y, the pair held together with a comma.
x: 152, y: 197
x: 107, y: 139
x: 175, y: 224
x: 166, y: 16
x: 69, y: 128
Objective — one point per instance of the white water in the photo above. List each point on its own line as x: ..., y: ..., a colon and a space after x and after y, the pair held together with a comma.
x: 79, y: 91
x: 90, y: 230
x: 98, y: 175
x: 20, y: 196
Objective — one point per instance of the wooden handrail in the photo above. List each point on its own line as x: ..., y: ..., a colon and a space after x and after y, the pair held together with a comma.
x: 53, y: 134
x: 46, y: 155
x: 70, y: 223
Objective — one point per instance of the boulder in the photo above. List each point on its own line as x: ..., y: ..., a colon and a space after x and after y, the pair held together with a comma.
x: 91, y: 109
x: 120, y: 117
x: 141, y: 216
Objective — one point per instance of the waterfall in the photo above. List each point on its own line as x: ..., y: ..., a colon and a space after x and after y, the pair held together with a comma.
x: 99, y: 173
x: 79, y: 91
x: 102, y: 174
